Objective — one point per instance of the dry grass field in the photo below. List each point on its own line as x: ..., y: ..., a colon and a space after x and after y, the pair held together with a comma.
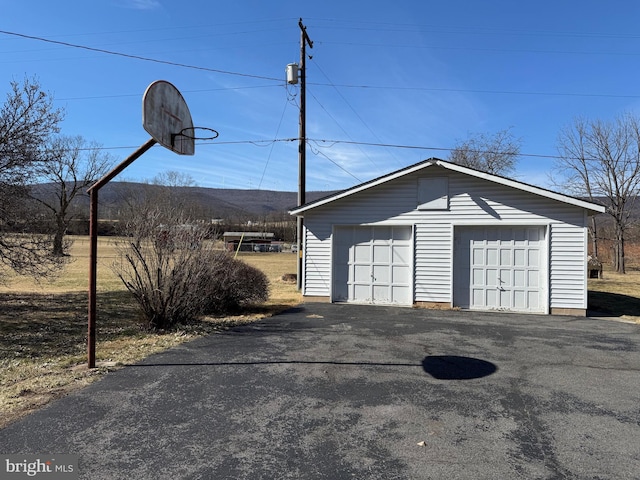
x: 43, y: 326
x: 616, y: 296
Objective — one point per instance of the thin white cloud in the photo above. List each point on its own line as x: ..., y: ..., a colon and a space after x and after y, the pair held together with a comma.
x: 139, y: 4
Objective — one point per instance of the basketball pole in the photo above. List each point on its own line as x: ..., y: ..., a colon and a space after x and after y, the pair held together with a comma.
x: 302, y: 145
x: 93, y: 246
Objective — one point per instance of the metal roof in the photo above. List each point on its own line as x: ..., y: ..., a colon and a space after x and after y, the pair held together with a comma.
x: 248, y: 234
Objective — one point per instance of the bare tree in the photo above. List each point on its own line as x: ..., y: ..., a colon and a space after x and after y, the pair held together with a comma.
x: 173, y: 178
x: 165, y: 191
x: 67, y: 167
x: 171, y: 189
x: 601, y: 160
x: 27, y: 120
x: 497, y: 154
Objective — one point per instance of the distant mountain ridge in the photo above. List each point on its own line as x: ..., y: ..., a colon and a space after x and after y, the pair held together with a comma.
x: 218, y: 202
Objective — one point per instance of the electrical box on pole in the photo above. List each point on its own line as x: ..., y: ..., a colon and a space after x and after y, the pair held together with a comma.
x: 292, y: 74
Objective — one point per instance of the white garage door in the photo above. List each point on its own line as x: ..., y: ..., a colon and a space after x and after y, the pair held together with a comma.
x: 373, y: 265
x: 499, y: 268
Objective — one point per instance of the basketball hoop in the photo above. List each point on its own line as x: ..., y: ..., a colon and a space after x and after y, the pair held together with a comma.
x: 164, y: 112
x: 190, y: 133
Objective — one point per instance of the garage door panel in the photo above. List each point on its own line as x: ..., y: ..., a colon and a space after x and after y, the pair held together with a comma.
x: 491, y: 274
x: 505, y: 298
x: 361, y: 273
x: 401, y: 294
x: 534, y: 300
x: 362, y: 291
x: 488, y: 298
x: 491, y: 257
x: 378, y: 262
x: 505, y: 257
x: 381, y: 294
x: 499, y: 268
x: 381, y: 253
x: 478, y: 276
x: 520, y: 298
x: 534, y: 234
x: 381, y: 274
x: 477, y: 296
x: 362, y: 253
x: 402, y: 255
x: 400, y: 273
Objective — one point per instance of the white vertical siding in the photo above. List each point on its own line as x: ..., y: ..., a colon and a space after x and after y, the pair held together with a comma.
x: 433, y: 258
x: 568, y: 271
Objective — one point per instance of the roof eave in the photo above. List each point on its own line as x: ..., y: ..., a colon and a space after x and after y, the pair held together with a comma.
x: 363, y: 186
x: 592, y: 208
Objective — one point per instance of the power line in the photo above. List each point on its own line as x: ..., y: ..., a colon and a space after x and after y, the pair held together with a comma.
x: 125, y: 95
x: 183, y: 27
x: 441, y: 149
x: 330, y: 143
x: 137, y: 57
x: 264, y: 171
x: 488, y: 50
x: 322, y: 154
x: 382, y: 87
x: 466, y: 90
x: 353, y: 110
x: 460, y: 30
x: 378, y: 87
x: 196, y: 67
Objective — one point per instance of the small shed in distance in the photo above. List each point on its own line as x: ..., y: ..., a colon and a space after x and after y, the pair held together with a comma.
x: 248, y: 241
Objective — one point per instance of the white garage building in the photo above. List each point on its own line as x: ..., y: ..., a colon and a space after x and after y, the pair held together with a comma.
x: 439, y: 234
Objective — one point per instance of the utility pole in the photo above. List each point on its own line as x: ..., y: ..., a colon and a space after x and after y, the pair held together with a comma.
x: 302, y: 142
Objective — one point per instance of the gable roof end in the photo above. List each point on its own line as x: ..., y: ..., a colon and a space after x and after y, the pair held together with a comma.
x: 591, y: 207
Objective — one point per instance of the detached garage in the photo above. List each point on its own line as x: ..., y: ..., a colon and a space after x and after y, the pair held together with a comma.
x: 439, y: 234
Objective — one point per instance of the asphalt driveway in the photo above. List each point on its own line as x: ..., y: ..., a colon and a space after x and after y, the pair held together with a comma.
x: 358, y: 392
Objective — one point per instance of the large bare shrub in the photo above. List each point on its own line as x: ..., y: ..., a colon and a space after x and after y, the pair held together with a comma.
x: 232, y: 285
x: 176, y: 275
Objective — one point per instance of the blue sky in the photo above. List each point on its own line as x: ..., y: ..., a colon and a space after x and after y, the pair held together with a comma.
x: 418, y: 75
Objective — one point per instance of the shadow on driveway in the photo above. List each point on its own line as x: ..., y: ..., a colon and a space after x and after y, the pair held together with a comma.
x: 453, y: 367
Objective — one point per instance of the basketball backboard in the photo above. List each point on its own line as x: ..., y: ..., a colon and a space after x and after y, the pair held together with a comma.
x: 166, y: 117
